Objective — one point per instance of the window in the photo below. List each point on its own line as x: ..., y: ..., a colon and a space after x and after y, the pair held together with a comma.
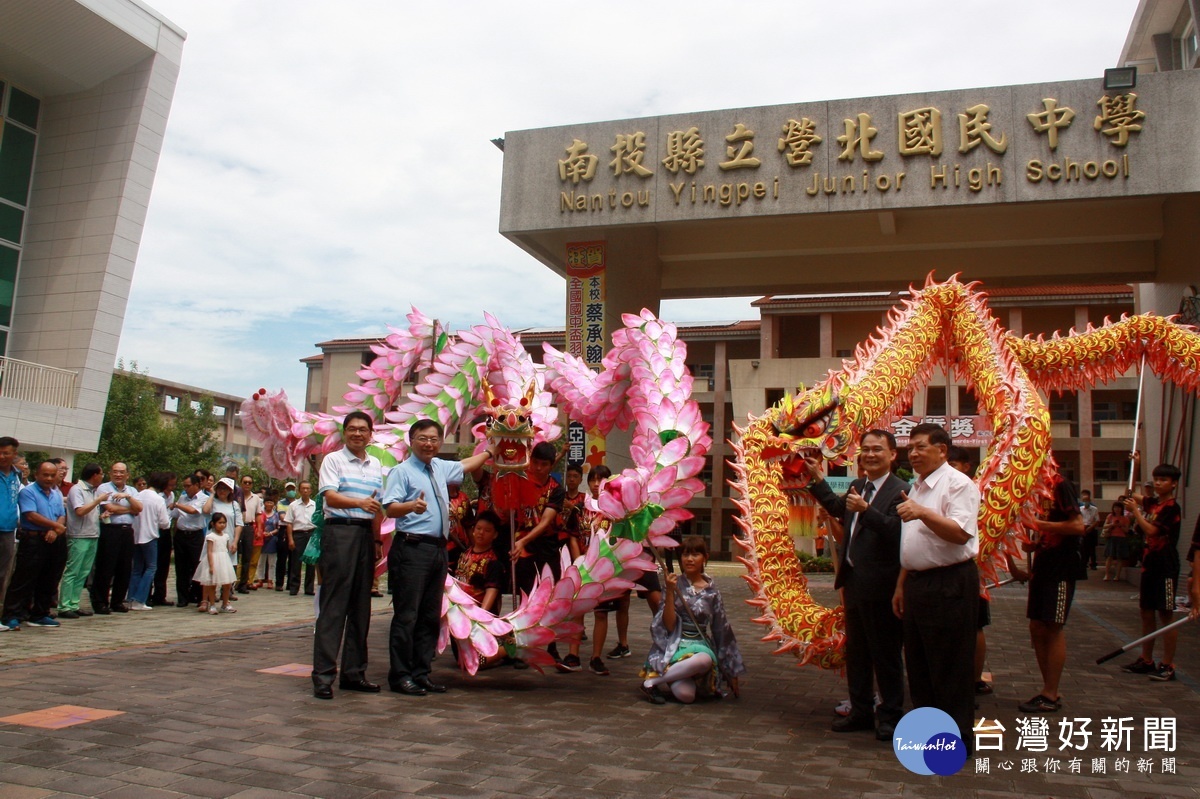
x: 935, y: 401
x: 1189, y: 45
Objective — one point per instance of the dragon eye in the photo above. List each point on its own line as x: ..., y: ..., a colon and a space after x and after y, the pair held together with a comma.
x: 815, y: 428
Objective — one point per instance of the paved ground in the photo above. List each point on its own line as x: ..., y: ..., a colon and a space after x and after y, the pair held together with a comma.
x: 199, y: 718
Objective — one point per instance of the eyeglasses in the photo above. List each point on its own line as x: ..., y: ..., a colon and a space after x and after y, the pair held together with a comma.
x: 426, y: 439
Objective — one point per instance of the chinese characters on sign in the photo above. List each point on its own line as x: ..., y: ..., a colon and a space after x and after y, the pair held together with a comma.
x: 1059, y: 745
x: 585, y: 333
x: 965, y: 431
x: 926, y: 132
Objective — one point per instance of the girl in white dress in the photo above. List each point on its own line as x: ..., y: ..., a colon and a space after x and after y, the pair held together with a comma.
x: 216, y: 567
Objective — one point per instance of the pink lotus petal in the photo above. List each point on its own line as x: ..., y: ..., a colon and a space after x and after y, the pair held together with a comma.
x: 484, y: 641
x: 457, y: 621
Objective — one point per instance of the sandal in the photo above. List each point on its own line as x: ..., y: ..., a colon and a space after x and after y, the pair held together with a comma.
x: 653, y: 696
x: 228, y: 609
x: 203, y: 607
x: 213, y: 611
x: 1041, y: 704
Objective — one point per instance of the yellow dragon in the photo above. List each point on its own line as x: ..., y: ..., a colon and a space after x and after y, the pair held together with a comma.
x: 943, y: 323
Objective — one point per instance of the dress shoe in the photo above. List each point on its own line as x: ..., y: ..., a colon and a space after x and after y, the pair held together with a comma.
x: 68, y: 614
x: 430, y: 686
x: 323, y: 691
x: 361, y: 685
x: 885, y: 732
x: 119, y: 608
x: 852, y: 724
x: 102, y: 610
x: 408, y: 686
x: 84, y: 613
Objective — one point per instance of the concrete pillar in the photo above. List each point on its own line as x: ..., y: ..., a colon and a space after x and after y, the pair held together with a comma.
x: 1165, y: 431
x: 826, y: 335
x: 632, y: 253
x: 719, y: 452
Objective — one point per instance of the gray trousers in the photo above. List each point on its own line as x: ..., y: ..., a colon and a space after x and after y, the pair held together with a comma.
x: 8, y: 557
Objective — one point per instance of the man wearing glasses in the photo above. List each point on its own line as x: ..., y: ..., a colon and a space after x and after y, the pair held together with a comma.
x: 418, y: 498
x: 351, y: 480
x: 937, y: 593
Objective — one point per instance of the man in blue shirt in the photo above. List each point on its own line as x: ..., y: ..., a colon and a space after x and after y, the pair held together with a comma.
x: 417, y: 497
x: 10, y: 486
x: 43, y: 520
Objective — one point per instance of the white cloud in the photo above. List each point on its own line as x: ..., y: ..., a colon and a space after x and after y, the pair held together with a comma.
x: 327, y: 166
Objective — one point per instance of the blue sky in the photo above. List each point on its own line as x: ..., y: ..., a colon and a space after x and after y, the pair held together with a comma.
x: 328, y: 165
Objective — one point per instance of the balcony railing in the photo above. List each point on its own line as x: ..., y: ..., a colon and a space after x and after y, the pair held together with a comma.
x: 34, y: 382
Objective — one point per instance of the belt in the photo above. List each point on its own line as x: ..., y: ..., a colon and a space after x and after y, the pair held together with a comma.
x: 109, y: 524
x: 350, y: 522
x: 413, y: 538
x: 933, y: 569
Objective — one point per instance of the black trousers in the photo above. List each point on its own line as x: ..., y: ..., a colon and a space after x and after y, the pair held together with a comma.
x: 114, y: 562
x: 245, y: 553
x: 189, y: 547
x: 158, y: 592
x: 293, y: 584
x: 874, y: 653
x: 58, y: 565
x: 283, y: 561
x: 941, y: 612
x: 1090, y: 540
x: 417, y: 574
x: 347, y: 564
x: 33, y: 582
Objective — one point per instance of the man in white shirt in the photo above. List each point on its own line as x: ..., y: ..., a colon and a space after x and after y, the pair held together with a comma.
x: 1091, y: 527
x: 937, y: 593
x: 298, y: 520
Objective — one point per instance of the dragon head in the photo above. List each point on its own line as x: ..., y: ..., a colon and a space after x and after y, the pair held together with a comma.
x: 510, y: 427
x: 811, y: 422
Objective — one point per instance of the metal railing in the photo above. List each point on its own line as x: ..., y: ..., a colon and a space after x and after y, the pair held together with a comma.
x: 35, y: 382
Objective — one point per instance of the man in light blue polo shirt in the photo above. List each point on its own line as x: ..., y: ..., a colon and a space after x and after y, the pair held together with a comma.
x: 43, y: 520
x: 10, y: 516
x: 418, y: 499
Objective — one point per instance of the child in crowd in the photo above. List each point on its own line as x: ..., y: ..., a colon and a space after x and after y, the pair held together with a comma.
x: 1116, y: 541
x: 1158, y: 518
x: 596, y: 476
x: 480, y: 570
x: 693, y: 644
x: 216, y: 567
x: 270, y: 544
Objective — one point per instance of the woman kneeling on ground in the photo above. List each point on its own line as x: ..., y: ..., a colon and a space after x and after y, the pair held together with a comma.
x: 691, y: 652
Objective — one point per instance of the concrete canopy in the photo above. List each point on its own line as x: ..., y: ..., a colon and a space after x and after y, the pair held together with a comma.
x: 1009, y: 185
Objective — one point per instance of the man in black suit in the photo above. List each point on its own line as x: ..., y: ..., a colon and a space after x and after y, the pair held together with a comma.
x: 869, y: 563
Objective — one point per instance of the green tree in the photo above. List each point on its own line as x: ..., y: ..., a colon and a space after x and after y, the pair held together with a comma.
x: 135, y: 432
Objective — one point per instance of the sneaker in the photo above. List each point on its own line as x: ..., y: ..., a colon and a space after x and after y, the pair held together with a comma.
x: 597, y: 666
x: 139, y: 606
x: 843, y: 708
x: 1165, y: 673
x: 568, y: 664
x: 44, y: 621
x: 619, y: 651
x: 982, y: 688
x: 228, y: 609
x: 3, y: 628
x: 1140, y: 666
x: 1041, y: 704
x: 213, y: 610
x: 14, y: 625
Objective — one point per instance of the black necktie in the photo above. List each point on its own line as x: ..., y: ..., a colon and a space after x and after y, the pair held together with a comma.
x: 868, y: 492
